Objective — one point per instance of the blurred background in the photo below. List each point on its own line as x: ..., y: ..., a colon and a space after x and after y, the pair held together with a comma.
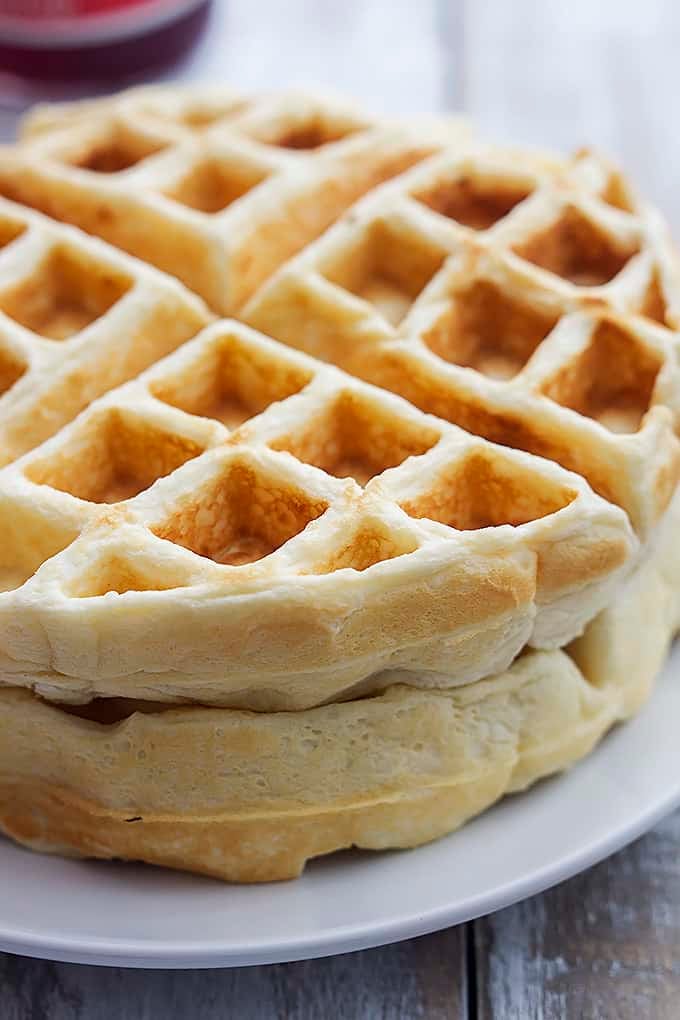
x: 555, y: 73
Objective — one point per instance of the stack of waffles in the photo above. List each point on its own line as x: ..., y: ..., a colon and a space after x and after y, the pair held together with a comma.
x: 394, y: 539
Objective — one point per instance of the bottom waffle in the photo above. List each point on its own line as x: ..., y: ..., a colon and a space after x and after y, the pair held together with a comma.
x: 251, y: 797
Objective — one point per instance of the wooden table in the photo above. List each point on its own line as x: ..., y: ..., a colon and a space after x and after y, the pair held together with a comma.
x: 606, y: 944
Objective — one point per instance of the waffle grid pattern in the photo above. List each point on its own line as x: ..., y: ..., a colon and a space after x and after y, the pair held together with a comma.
x: 532, y: 306
x: 76, y: 319
x: 216, y: 189
x: 237, y: 467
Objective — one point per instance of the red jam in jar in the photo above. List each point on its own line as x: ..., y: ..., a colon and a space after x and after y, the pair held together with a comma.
x: 95, y: 39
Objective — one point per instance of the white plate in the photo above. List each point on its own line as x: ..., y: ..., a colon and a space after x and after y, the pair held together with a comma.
x: 130, y: 915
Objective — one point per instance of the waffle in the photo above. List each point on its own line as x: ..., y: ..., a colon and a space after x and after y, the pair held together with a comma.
x: 529, y: 302
x: 243, y: 525
x: 251, y: 796
x: 267, y: 596
x: 76, y: 319
x: 212, y: 187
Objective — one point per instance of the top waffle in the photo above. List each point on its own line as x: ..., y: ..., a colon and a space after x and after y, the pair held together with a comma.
x: 246, y: 524
x: 214, y: 188
x: 243, y: 525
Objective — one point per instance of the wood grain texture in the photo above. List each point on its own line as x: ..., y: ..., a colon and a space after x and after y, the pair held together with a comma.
x: 604, y: 946
x: 419, y: 978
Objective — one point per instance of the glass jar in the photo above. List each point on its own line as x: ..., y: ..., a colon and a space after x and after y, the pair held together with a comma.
x: 76, y: 40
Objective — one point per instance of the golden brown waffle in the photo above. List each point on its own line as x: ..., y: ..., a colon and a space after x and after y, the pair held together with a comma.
x: 76, y: 319
x: 214, y: 188
x: 261, y: 530
x: 251, y: 796
x: 519, y: 298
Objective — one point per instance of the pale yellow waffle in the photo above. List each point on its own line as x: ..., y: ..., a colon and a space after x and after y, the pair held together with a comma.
x: 259, y: 529
x: 214, y: 188
x: 251, y: 796
x: 522, y: 299
x: 253, y: 607
x: 76, y: 319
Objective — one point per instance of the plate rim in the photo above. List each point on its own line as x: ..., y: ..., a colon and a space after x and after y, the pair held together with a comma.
x: 339, y: 940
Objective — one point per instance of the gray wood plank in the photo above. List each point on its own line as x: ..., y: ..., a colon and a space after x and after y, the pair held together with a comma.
x: 604, y: 946
x: 420, y: 978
